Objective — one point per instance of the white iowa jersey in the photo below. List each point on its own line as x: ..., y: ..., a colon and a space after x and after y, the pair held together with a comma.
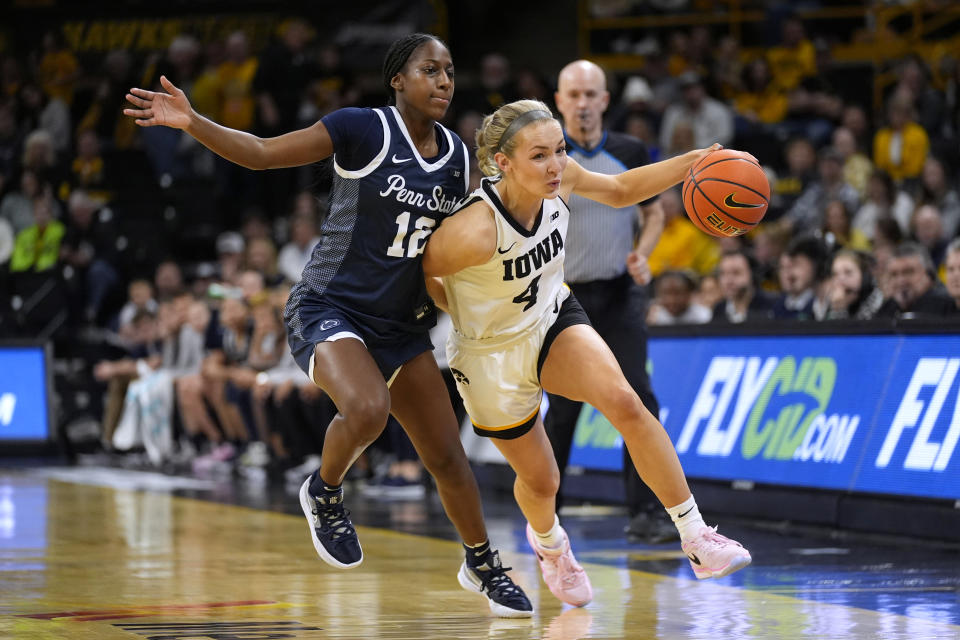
x: 521, y: 283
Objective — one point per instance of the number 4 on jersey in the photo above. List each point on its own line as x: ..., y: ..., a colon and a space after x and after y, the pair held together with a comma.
x: 529, y: 295
x: 418, y: 239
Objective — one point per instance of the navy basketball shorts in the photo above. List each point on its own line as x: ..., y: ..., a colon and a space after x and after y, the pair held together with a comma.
x: 320, y: 321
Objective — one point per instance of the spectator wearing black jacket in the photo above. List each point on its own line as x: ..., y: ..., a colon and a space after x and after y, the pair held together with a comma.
x: 89, y: 247
x: 953, y: 273
x: 914, y: 290
x: 800, y: 274
x: 742, y: 297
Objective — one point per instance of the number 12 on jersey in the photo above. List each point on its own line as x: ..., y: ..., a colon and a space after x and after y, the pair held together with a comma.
x: 423, y: 227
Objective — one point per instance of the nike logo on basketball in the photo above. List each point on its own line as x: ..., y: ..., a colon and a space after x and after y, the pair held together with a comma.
x: 397, y: 160
x: 693, y: 558
x: 499, y: 250
x: 733, y: 204
x: 685, y: 512
x: 328, y: 324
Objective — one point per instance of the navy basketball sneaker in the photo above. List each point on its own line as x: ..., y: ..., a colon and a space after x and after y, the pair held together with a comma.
x: 333, y: 534
x: 506, y: 598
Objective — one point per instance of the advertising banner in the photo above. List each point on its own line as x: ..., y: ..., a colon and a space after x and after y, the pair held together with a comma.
x: 23, y: 394
x: 878, y: 414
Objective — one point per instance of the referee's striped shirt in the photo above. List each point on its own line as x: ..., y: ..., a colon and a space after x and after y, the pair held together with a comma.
x: 600, y: 236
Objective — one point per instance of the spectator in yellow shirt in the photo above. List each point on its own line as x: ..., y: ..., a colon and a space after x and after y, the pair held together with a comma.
x: 681, y: 245
x: 838, y: 227
x: 760, y: 100
x: 902, y: 146
x: 206, y: 89
x: 37, y: 248
x: 794, y: 59
x: 857, y: 167
x: 58, y: 69
x: 236, y: 84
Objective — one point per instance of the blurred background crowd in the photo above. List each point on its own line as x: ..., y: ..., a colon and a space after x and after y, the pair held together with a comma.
x: 160, y: 271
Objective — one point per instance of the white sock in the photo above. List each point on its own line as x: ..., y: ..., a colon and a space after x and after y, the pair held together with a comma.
x: 551, y: 539
x: 686, y: 516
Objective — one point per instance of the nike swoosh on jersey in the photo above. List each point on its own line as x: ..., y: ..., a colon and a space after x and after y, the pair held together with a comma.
x: 501, y: 251
x: 397, y: 160
x: 733, y: 204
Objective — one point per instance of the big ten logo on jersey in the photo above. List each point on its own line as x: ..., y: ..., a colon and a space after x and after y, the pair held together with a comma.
x: 779, y: 407
x: 921, y: 408
x: 534, y: 259
x: 436, y: 201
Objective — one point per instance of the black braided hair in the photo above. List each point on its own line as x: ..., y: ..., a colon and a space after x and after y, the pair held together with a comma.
x: 397, y: 56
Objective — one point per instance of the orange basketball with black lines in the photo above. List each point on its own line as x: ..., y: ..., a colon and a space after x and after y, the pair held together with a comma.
x: 726, y: 193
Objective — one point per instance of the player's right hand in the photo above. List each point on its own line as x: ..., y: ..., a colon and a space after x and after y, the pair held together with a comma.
x: 171, y: 109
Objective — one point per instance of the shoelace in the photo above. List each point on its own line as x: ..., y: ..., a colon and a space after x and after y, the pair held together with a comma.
x: 570, y: 569
x: 714, y: 539
x: 337, y: 519
x: 496, y: 581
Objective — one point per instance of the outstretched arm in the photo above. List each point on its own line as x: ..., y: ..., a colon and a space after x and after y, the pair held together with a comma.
x: 172, y: 109
x: 633, y: 186
x: 466, y: 239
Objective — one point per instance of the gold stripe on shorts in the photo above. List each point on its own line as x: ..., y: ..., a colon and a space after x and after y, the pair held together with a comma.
x: 510, y: 431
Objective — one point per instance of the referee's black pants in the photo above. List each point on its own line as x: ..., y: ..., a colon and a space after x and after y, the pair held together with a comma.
x: 617, y: 309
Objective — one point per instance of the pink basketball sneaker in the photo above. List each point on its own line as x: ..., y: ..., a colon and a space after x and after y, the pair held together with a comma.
x: 712, y: 555
x: 565, y: 578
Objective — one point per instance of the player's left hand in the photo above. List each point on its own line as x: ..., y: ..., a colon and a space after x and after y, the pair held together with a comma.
x: 639, y: 268
x: 694, y: 156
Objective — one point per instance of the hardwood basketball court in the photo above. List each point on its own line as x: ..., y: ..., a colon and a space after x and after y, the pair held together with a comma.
x: 79, y: 561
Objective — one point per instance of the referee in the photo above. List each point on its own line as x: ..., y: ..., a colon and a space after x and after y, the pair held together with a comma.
x: 607, y: 273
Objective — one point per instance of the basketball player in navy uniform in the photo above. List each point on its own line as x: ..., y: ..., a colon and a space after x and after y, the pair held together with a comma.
x: 358, y: 321
x: 607, y: 273
x: 518, y: 330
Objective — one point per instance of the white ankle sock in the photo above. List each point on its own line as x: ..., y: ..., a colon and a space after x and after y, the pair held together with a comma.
x: 551, y: 539
x: 686, y: 516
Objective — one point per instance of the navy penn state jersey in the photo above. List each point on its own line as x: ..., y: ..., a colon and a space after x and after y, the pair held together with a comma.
x: 385, y: 202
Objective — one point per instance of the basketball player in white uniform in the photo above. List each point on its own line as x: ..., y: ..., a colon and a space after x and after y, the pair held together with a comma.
x: 518, y: 330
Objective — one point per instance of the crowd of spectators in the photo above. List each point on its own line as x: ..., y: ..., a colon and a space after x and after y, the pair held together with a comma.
x: 856, y: 193
x: 194, y: 369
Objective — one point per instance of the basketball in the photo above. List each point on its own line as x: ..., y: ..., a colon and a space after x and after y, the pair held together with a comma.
x: 726, y: 193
